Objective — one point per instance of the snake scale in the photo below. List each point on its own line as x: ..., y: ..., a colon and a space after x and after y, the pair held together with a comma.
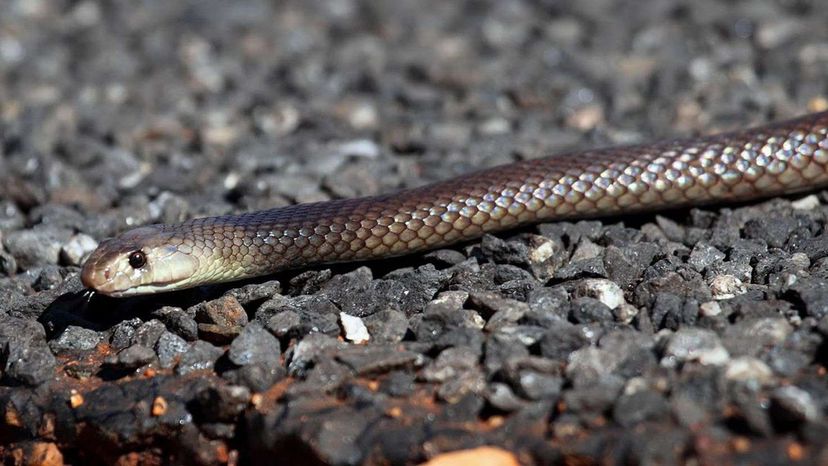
x: 769, y: 160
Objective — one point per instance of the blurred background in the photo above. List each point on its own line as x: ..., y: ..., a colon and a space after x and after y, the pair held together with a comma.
x: 239, y: 105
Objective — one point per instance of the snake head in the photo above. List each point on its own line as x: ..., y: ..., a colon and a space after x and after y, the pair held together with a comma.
x: 141, y: 261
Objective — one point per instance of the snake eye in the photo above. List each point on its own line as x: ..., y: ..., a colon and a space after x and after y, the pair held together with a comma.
x: 137, y: 259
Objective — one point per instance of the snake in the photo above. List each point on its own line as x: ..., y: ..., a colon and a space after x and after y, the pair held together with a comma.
x: 764, y: 161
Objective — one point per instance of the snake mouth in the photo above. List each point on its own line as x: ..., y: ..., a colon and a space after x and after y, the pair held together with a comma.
x: 137, y: 291
x: 111, y: 269
x: 120, y: 283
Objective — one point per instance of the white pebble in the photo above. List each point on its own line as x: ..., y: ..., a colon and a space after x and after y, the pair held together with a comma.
x: 726, y: 287
x: 355, y: 330
x: 809, y: 202
x: 77, y: 248
x: 801, y: 260
x: 625, y: 313
x: 546, y: 249
x: 359, y: 148
x: 603, y: 290
x: 749, y: 370
x: 710, y: 309
x: 363, y: 115
x: 694, y: 344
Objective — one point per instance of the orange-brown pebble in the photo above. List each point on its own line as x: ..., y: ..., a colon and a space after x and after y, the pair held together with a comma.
x: 159, y: 406
x: 795, y: 451
x: 11, y: 417
x: 481, y: 456
x: 818, y: 104
x: 75, y: 399
x: 45, y: 454
x: 495, y: 421
x: 741, y: 444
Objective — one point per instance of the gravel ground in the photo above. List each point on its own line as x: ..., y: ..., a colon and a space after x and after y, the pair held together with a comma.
x: 697, y: 336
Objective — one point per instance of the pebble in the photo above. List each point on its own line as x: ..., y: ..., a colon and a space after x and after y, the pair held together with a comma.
x: 794, y: 405
x: 752, y: 336
x: 148, y: 333
x: 591, y: 363
x: 255, y: 293
x: 561, y: 340
x: 354, y: 328
x: 284, y: 323
x: 221, y: 320
x: 377, y: 359
x: 37, y: 247
x: 694, y: 345
x: 643, y: 405
x: 703, y: 256
x: 169, y: 347
x: 201, y: 355
x: 25, y: 356
x: 254, y: 345
x: 605, y: 291
x: 710, y: 309
x: 10, y: 216
x: 726, y: 287
x: 75, y: 338
x: 123, y: 332
x: 813, y: 295
x: 221, y: 403
x: 178, y: 321
x: 450, y: 363
x: 387, y: 326
x: 748, y: 370
x: 625, y: 313
x: 809, y: 202
x: 8, y: 264
x: 77, y: 248
x: 480, y: 456
x: 132, y: 357
x: 502, y: 397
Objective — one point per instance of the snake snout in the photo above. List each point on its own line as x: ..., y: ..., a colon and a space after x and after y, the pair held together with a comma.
x: 88, y: 276
x: 97, y: 271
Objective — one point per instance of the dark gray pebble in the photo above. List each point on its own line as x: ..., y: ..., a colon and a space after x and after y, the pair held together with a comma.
x: 148, y: 333
x: 178, y: 321
x: 703, y: 256
x: 644, y: 405
x: 201, y: 355
x: 561, y: 339
x: 37, y: 247
x: 254, y: 345
x: 75, y: 338
x: 169, y: 347
x: 387, y: 326
x: 588, y: 310
x: 23, y: 350
x: 792, y: 406
x: 123, y: 332
x: 377, y: 359
x: 222, y: 403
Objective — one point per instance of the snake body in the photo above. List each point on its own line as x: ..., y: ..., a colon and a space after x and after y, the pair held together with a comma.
x: 769, y: 160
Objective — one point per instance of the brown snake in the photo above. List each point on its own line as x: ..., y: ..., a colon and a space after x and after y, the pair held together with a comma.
x: 769, y: 160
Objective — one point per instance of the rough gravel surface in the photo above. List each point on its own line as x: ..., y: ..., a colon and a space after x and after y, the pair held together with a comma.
x: 697, y: 336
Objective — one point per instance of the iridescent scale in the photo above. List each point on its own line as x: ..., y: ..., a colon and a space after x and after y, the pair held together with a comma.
x: 775, y: 159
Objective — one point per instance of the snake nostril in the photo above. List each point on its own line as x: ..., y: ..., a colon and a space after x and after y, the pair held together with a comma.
x: 106, y: 274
